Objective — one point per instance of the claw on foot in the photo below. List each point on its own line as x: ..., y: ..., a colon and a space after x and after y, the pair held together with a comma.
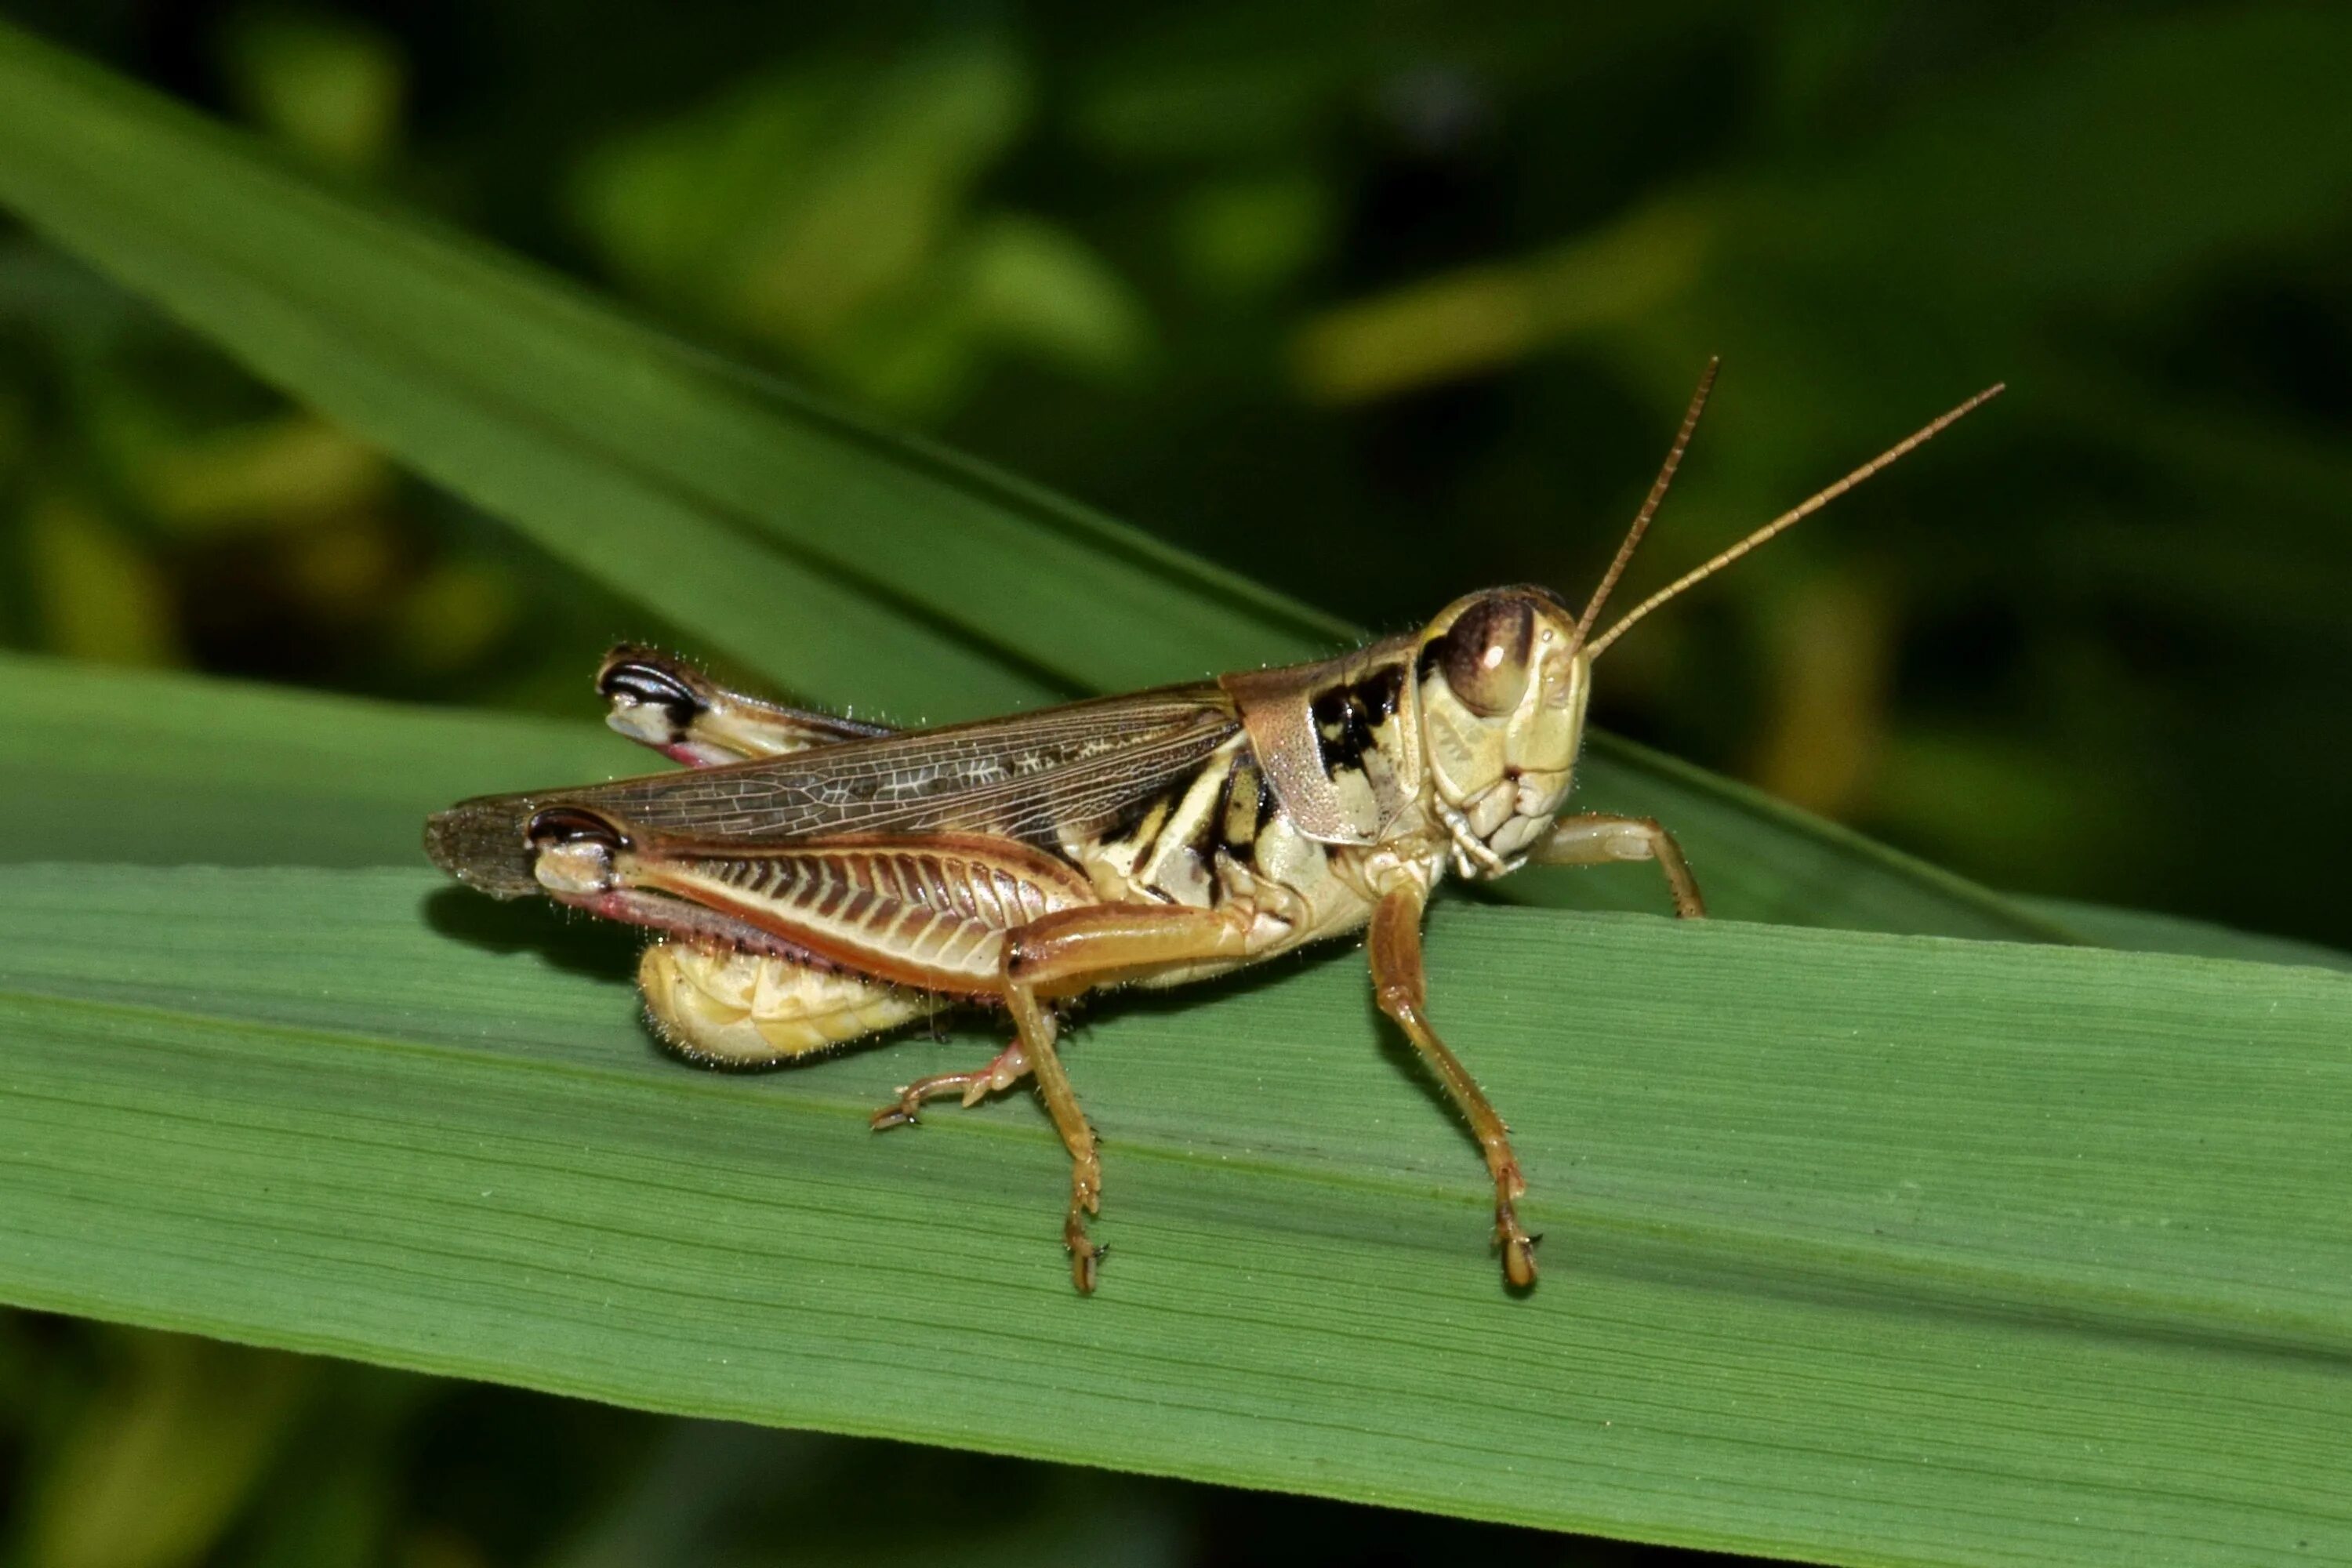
x: 1007, y: 1069
x: 1086, y: 1257
x: 1518, y: 1249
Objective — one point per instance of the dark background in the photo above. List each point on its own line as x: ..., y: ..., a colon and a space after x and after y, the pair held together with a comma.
x: 1375, y: 303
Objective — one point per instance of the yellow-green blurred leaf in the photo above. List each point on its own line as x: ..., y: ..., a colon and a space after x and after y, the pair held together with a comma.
x: 97, y: 593
x: 159, y: 1462
x: 288, y: 471
x: 331, y: 86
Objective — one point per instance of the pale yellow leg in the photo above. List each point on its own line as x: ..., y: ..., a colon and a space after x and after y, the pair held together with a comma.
x: 1402, y: 988
x: 1597, y: 840
x: 1037, y: 1030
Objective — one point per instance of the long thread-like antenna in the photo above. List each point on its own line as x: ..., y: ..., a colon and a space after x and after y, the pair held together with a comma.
x: 1649, y: 505
x: 1790, y: 519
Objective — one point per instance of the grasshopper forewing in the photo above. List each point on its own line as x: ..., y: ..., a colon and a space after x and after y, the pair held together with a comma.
x: 812, y: 880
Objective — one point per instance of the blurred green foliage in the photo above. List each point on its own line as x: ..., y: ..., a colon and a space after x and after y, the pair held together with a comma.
x: 1372, y: 304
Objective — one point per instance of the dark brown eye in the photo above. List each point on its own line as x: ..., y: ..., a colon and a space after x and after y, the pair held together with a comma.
x: 1485, y: 654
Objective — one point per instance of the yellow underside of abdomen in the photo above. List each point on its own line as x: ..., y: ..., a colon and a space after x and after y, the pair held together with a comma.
x: 745, y: 1009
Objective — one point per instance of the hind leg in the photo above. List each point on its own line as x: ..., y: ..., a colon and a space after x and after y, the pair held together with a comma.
x: 669, y: 705
x: 1073, y: 951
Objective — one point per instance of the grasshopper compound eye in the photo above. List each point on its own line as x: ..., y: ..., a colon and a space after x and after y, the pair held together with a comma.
x: 1487, y: 656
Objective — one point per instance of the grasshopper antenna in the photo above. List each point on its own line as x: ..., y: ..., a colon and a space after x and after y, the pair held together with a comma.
x: 1649, y: 505
x: 1795, y: 515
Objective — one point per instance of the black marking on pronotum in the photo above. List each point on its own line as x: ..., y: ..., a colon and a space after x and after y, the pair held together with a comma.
x: 1346, y: 716
x: 1328, y: 708
x: 1378, y: 692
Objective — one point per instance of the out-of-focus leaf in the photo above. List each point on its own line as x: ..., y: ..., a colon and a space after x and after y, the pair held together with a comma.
x: 830, y: 209
x: 723, y: 1495
x: 162, y: 1460
x: 848, y: 562
x: 854, y: 567
x: 285, y: 472
x: 1247, y: 236
x: 804, y: 198
x: 332, y: 88
x: 2144, y: 931
x: 1035, y: 288
x: 175, y: 769
x: 101, y: 597
x: 2121, y: 161
x: 1491, y: 316
x: 2151, y: 162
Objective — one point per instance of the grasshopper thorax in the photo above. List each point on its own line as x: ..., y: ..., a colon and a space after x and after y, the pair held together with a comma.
x: 1503, y: 683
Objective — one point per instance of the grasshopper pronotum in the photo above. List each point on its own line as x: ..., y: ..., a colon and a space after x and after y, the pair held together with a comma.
x: 816, y: 880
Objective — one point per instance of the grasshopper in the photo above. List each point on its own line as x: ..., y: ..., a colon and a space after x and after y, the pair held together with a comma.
x: 814, y: 881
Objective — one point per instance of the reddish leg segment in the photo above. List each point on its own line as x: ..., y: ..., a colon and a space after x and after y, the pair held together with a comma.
x: 1004, y: 1069
x: 1075, y: 949
x: 1064, y: 952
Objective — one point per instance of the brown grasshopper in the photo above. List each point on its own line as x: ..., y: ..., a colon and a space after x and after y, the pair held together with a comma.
x: 814, y: 881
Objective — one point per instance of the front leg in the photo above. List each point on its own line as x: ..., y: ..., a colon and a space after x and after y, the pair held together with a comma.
x: 1402, y: 988
x: 1595, y: 838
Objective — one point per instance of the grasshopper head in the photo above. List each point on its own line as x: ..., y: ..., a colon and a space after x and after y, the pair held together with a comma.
x: 1504, y: 680
x: 1505, y: 675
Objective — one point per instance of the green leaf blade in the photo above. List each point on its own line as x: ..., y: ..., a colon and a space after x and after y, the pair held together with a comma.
x: 1952, y: 1235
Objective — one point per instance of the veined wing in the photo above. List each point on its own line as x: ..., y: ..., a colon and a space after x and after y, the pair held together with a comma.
x: 1032, y: 777
x: 1026, y: 777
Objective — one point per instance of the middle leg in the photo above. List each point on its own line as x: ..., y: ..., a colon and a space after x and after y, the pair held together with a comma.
x: 1076, y: 950
x: 1007, y: 1068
